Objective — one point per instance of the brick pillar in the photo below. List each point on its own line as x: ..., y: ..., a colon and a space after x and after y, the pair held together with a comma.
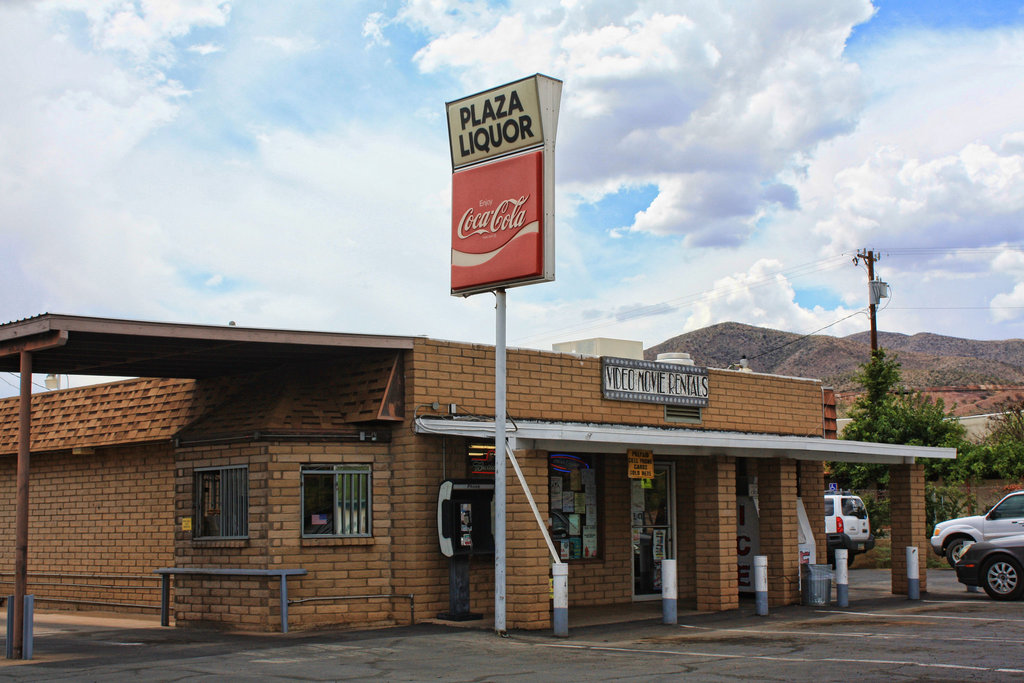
x: 715, y: 526
x: 686, y: 558
x: 906, y: 505
x: 776, y: 491
x: 811, y: 489
x: 528, y: 561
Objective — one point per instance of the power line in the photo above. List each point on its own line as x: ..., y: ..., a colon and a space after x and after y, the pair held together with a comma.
x: 644, y: 311
x: 794, y: 341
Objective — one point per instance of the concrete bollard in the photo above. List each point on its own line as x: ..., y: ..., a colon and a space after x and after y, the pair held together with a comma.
x: 842, y: 578
x: 669, y: 593
x: 913, y: 574
x: 761, y: 585
x: 560, y: 587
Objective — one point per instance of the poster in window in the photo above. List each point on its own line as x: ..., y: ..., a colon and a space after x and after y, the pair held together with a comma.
x: 555, y: 492
x: 576, y: 480
x: 568, y: 501
x: 579, y: 502
x: 576, y: 548
x: 564, y: 549
x: 574, y: 525
x: 591, y: 513
x: 658, y: 545
x: 589, y: 541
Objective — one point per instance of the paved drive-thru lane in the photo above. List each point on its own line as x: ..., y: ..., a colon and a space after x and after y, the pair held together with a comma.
x: 949, y: 635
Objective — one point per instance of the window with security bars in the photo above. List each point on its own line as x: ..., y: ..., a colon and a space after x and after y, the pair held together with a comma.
x: 336, y: 500
x: 222, y: 502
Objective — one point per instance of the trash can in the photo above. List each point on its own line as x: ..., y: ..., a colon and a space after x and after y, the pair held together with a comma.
x: 815, y: 584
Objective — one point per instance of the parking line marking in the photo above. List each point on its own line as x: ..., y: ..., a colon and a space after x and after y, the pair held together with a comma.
x: 777, y: 658
x: 917, y: 616
x: 859, y: 634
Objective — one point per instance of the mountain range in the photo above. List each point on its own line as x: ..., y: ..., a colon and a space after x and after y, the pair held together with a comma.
x: 971, y: 376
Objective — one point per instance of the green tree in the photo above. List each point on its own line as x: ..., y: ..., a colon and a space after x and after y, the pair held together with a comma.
x: 887, y: 414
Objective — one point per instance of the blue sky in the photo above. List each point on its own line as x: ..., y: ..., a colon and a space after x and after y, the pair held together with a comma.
x: 286, y: 164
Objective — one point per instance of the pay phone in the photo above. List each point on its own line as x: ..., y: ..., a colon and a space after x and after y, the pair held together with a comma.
x: 465, y: 517
x: 465, y: 527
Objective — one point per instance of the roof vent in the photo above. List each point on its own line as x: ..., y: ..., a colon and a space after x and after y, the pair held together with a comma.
x: 676, y: 358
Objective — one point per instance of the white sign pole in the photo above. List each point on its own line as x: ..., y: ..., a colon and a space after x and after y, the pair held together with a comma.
x: 499, y: 463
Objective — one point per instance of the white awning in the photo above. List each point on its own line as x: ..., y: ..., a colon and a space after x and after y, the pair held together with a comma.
x: 603, y: 438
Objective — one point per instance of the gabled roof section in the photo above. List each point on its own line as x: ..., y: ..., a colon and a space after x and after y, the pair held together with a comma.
x: 120, y: 413
x: 76, y: 345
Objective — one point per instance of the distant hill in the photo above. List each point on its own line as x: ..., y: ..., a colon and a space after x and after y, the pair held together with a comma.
x: 975, y: 375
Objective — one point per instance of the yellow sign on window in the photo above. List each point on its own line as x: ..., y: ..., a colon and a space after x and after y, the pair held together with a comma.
x: 641, y: 464
x: 186, y: 524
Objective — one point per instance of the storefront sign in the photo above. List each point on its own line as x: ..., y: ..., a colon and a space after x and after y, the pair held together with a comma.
x: 640, y: 464
x: 496, y: 122
x: 498, y: 223
x: 503, y: 185
x: 626, y: 379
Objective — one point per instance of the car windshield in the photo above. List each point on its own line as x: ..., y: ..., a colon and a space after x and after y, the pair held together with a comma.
x: 853, y: 507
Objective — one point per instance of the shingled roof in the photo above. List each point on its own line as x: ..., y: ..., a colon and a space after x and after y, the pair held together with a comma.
x: 128, y: 412
x: 315, y: 399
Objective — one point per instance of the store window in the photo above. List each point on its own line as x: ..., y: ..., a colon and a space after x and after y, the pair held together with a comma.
x: 573, y: 509
x: 336, y: 500
x: 222, y: 502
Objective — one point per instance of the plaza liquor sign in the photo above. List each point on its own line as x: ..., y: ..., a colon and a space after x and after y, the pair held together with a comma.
x: 503, y: 156
x: 642, y: 381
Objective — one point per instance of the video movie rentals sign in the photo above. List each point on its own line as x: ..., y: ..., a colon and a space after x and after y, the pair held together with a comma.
x: 503, y: 185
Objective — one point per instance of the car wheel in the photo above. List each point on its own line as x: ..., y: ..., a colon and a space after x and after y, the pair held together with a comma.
x: 955, y: 550
x: 1002, y: 578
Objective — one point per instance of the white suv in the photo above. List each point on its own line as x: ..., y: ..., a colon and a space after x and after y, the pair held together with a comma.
x: 846, y: 525
x: 1006, y: 518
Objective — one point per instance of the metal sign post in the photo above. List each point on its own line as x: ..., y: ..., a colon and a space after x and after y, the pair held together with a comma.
x: 499, y: 463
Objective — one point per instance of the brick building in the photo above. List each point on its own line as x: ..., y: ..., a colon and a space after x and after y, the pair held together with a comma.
x: 261, y: 449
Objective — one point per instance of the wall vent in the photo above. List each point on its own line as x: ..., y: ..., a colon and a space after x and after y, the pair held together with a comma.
x: 684, y: 414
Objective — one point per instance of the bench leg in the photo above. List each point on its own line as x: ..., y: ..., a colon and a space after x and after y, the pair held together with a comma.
x: 284, y: 604
x: 165, y: 590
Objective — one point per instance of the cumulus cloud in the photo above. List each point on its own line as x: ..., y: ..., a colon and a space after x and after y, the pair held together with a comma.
x: 714, y: 101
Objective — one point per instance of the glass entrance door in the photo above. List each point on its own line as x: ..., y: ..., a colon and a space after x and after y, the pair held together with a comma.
x: 652, y: 508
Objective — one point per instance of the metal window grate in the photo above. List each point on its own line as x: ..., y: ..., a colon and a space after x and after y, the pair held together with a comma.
x: 222, y: 502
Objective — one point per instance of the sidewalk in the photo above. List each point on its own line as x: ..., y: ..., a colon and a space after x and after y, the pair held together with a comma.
x: 128, y: 644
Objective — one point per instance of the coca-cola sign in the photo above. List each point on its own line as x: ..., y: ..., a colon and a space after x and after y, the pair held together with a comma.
x: 498, y: 223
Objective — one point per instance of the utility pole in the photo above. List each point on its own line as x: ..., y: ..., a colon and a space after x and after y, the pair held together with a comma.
x: 876, y: 290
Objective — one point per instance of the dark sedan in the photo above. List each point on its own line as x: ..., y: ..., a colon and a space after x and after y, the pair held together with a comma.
x: 997, y: 566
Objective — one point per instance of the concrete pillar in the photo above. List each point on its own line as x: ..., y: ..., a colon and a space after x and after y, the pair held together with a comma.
x: 715, y: 538
x: 906, y: 506
x: 776, y: 487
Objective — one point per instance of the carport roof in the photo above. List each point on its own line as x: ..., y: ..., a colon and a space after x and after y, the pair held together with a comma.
x: 77, y: 345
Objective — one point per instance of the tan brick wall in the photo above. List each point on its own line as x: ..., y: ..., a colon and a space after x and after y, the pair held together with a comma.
x: 906, y: 496
x: 777, y: 489
x: 102, y: 521
x: 561, y: 387
x: 715, y: 527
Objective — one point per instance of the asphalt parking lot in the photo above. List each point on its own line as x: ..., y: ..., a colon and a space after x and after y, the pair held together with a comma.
x: 949, y: 634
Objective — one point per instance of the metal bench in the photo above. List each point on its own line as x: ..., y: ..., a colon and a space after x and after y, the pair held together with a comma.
x: 282, y: 574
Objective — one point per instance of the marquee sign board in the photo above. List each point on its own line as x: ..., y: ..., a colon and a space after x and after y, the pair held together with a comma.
x: 503, y: 176
x: 644, y: 381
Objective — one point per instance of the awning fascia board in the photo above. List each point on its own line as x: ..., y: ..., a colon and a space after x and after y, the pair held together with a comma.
x: 601, y: 438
